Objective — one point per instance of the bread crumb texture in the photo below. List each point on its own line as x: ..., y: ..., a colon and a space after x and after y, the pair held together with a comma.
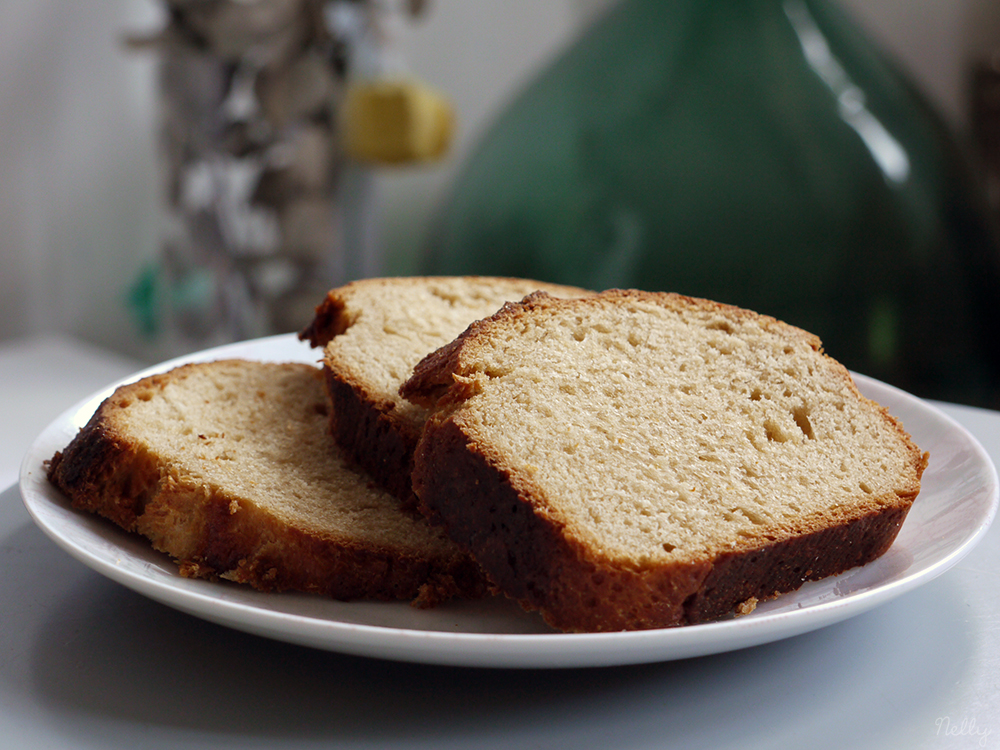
x: 386, y: 326
x: 259, y: 433
x: 228, y: 467
x: 693, y: 426
x: 373, y: 332
x: 653, y: 431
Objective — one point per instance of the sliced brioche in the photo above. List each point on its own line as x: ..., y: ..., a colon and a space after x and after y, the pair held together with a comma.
x: 635, y: 460
x: 228, y: 467
x: 373, y: 332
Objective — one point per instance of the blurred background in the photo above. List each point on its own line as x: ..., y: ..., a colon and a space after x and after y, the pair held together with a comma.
x: 81, y: 174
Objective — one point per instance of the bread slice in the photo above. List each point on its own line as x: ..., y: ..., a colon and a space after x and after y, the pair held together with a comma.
x: 373, y: 332
x: 636, y: 460
x: 228, y: 467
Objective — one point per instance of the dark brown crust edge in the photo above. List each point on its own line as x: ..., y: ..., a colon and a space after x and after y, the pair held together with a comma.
x: 211, y: 534
x: 328, y: 321
x: 526, y: 555
x: 374, y: 438
x: 367, y: 431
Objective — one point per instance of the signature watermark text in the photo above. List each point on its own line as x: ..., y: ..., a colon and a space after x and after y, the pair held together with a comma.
x: 965, y: 727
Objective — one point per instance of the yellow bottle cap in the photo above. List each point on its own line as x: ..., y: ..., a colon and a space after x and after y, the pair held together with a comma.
x: 395, y: 122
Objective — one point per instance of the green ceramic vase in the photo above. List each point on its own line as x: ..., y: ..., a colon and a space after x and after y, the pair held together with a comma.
x: 757, y: 152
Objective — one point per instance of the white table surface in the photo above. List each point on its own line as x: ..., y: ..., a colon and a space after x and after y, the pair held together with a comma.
x: 86, y: 663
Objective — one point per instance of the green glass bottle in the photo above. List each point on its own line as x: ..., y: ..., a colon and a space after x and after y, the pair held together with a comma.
x: 756, y: 152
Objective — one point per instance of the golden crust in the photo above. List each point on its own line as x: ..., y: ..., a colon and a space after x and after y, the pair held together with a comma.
x: 213, y: 532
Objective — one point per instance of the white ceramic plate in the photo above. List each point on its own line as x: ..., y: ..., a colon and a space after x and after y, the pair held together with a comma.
x: 954, y: 509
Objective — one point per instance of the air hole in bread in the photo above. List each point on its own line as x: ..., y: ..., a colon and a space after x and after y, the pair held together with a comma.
x: 774, y: 432
x: 720, y: 325
x: 724, y: 346
x: 144, y: 395
x: 451, y: 298
x: 751, y: 515
x: 801, y: 417
x: 496, y: 371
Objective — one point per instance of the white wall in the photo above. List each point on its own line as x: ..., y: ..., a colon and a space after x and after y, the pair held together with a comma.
x: 76, y: 158
x: 77, y: 116
x: 479, y: 53
x: 929, y: 38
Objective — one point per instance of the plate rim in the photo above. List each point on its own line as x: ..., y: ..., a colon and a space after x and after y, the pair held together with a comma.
x: 508, y: 650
